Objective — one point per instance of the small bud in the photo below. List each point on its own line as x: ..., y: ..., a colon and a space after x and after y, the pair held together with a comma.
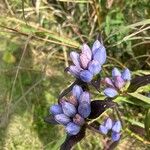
x: 103, y: 129
x: 68, y: 108
x: 84, y: 109
x: 115, y: 136
x: 62, y: 119
x: 126, y: 75
x: 108, y: 123
x: 56, y: 109
x: 77, y: 91
x: 117, y: 126
x: 78, y: 120
x: 119, y: 82
x: 86, y: 76
x: 73, y: 100
x: 94, y: 67
x: 110, y: 92
x: 99, y: 52
x: 75, y: 58
x: 85, y: 97
x: 116, y: 72
x: 108, y: 82
x: 72, y: 128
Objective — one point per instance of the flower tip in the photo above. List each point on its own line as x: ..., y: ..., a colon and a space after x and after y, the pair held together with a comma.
x: 110, y: 92
x: 126, y: 75
x: 72, y: 128
x: 103, y: 129
x: 116, y: 72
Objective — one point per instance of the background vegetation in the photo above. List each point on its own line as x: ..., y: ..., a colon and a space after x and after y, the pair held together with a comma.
x: 35, y: 40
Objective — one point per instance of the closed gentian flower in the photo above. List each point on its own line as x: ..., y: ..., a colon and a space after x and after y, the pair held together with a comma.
x: 108, y: 82
x: 119, y: 82
x: 115, y: 136
x: 77, y: 91
x: 72, y: 128
x: 56, y: 109
x: 77, y: 119
x: 126, y: 74
x: 108, y: 123
x: 103, y: 129
x: 73, y: 100
x: 88, y: 63
x: 85, y: 97
x: 110, y: 92
x: 117, y: 126
x: 68, y: 108
x: 84, y: 109
x: 62, y: 119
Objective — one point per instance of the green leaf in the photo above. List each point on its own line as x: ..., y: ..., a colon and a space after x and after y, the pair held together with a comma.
x: 147, y: 123
x: 9, y: 58
x: 140, y: 97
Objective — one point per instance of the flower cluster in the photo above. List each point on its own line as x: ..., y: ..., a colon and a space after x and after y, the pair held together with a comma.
x: 72, y: 112
x: 117, y: 82
x: 111, y: 127
x: 88, y: 63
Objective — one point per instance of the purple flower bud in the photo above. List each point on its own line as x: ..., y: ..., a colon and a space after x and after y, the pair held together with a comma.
x: 62, y: 119
x: 116, y: 72
x: 85, y: 97
x: 108, y: 123
x: 126, y: 75
x: 103, y: 129
x: 68, y: 108
x: 84, y: 109
x: 119, y: 82
x: 110, y: 92
x: 117, y: 126
x: 99, y: 52
x: 87, y: 51
x: 115, y: 136
x: 56, y: 109
x: 108, y: 82
x: 75, y: 71
x: 75, y: 58
x: 72, y: 128
x: 94, y: 67
x: 77, y: 91
x: 78, y: 120
x: 84, y: 60
x: 86, y: 76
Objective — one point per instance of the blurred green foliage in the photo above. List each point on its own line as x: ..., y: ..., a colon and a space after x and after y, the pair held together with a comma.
x: 35, y: 41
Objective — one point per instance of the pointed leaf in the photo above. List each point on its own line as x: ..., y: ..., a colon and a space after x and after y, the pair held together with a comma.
x: 99, y: 106
x: 138, y: 82
x: 72, y: 140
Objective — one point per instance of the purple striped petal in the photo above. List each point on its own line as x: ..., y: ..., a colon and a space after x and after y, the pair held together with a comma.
x: 119, y: 82
x: 72, y: 128
x: 56, y: 109
x: 94, y: 67
x: 87, y: 51
x: 108, y: 123
x: 86, y: 76
x: 115, y: 136
x: 75, y: 58
x: 108, y: 82
x: 75, y: 71
x: 77, y: 91
x: 99, y: 52
x: 110, y: 92
x: 85, y: 97
x: 62, y: 119
x: 117, y: 126
x: 126, y: 75
x: 103, y: 129
x: 78, y: 120
x: 116, y: 72
x: 84, y: 60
